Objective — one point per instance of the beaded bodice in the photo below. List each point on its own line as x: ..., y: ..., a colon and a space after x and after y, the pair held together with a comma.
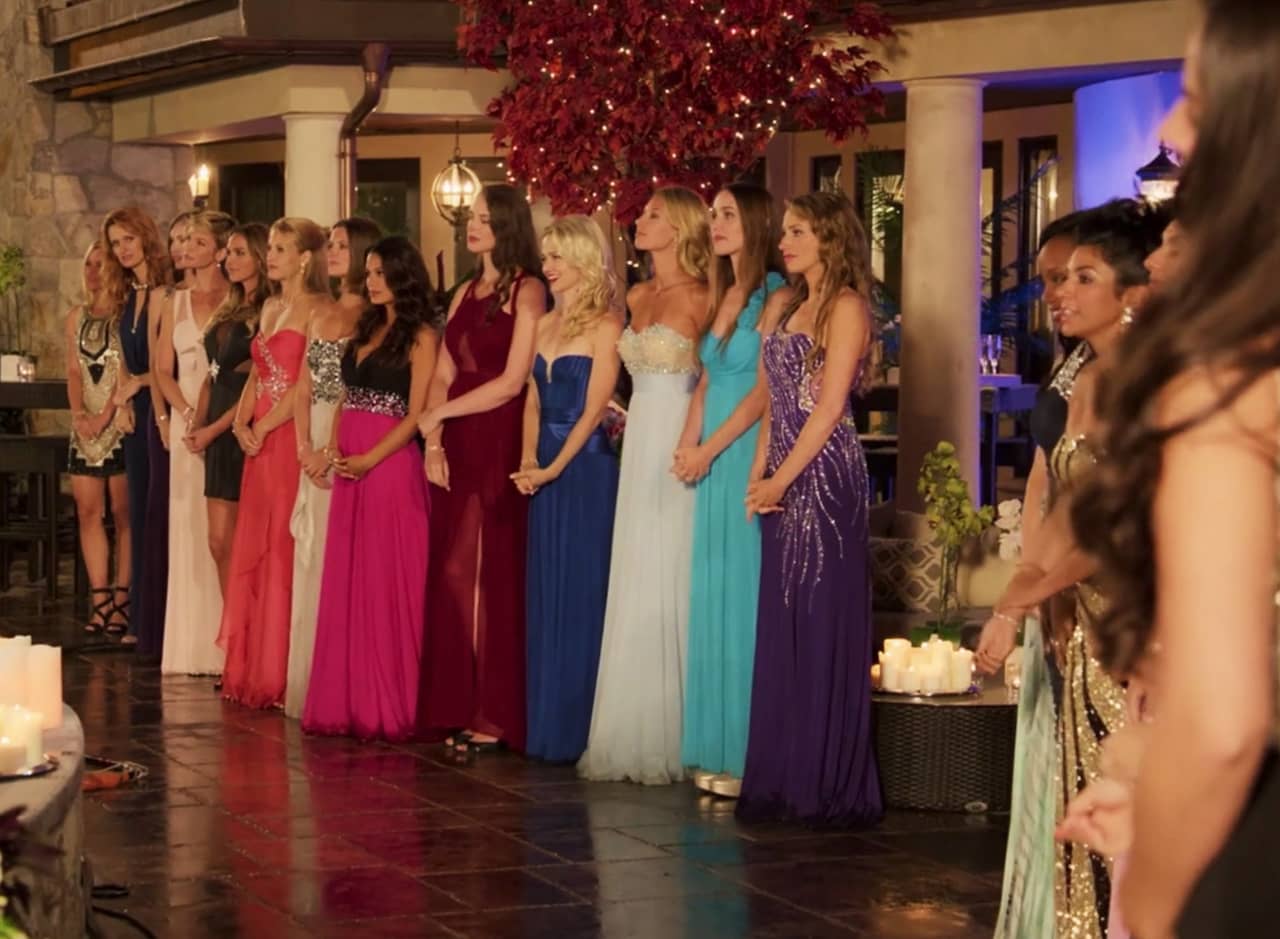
x: 324, y: 361
x: 375, y: 385
x: 98, y: 352
x: 657, y: 350
x: 277, y: 358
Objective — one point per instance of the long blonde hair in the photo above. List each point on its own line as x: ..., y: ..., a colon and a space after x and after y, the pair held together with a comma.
x: 688, y: 215
x: 845, y: 256
x: 89, y: 298
x: 307, y: 236
x: 582, y: 244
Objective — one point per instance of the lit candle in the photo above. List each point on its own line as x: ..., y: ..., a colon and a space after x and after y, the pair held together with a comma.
x: 44, y: 683
x: 22, y: 727
x: 891, y: 646
x: 931, y: 678
x: 911, y: 679
x: 13, y: 670
x: 961, y: 670
x: 13, y: 756
x: 875, y: 676
x: 940, y: 654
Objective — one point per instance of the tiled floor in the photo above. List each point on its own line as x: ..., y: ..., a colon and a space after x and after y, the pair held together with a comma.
x: 247, y: 828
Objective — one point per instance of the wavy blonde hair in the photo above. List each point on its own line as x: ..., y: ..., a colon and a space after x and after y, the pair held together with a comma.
x: 846, y: 261
x: 582, y: 244
x: 688, y: 215
x: 218, y: 224
x: 89, y: 298
x: 307, y: 236
x: 116, y: 281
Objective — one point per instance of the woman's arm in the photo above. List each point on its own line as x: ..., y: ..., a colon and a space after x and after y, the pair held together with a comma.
x: 1215, y: 620
x: 1032, y: 501
x: 530, y: 431
x: 530, y: 304
x: 692, y: 432
x: 605, y: 365
x: 422, y: 364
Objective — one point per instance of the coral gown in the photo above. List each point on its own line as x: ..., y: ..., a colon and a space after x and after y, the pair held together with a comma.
x: 255, y: 616
x: 474, y: 653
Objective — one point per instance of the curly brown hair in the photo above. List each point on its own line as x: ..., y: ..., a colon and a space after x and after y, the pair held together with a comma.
x: 116, y: 281
x: 846, y: 261
x: 1220, y: 313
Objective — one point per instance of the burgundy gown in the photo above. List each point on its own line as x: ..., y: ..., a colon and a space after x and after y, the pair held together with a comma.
x: 474, y: 653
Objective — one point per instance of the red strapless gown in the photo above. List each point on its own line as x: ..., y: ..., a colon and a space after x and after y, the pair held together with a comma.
x: 474, y: 654
x: 255, y: 614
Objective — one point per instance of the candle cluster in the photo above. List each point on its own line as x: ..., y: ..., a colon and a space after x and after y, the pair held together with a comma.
x: 937, y: 666
x: 30, y: 700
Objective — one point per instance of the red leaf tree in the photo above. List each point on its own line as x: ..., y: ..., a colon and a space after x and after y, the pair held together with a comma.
x: 611, y: 97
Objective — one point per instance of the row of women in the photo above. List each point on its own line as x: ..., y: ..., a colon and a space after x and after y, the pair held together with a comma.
x: 701, y: 603
x: 1147, y: 726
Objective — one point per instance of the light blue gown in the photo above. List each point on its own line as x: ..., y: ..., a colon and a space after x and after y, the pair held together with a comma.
x: 725, y: 576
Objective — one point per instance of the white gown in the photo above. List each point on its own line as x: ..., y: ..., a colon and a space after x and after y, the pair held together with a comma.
x: 639, y: 705
x: 193, y: 607
x: 310, y: 522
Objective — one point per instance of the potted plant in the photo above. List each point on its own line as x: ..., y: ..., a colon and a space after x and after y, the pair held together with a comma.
x: 954, y: 520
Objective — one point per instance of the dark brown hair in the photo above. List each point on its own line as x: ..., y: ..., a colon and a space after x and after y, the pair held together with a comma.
x: 1222, y: 311
x: 515, y: 245
x: 238, y: 307
x: 362, y: 233
x: 415, y: 300
x: 760, y: 253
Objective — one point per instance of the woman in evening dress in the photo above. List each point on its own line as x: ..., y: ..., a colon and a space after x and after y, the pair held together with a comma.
x: 368, y: 644
x: 255, y: 615
x: 193, y: 609
x: 136, y: 266
x: 571, y: 474
x: 228, y: 341
x: 1106, y: 283
x: 810, y: 756
x: 637, y: 718
x: 473, y: 685
x: 315, y: 409
x: 96, y: 454
x: 718, y: 449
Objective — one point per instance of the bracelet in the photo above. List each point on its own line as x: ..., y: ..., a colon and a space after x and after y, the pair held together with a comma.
x: 1000, y: 614
x: 435, y: 447
x: 162, y: 418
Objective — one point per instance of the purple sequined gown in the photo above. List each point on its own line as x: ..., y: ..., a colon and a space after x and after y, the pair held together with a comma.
x: 809, y: 752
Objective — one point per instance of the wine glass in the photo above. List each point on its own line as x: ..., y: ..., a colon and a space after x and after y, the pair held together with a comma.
x: 26, y: 369
x: 997, y: 347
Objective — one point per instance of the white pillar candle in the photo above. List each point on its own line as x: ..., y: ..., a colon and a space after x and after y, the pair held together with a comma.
x: 961, y: 670
x: 893, y: 645
x: 931, y: 678
x: 911, y: 679
x: 13, y: 756
x: 891, y: 675
x: 940, y: 654
x: 22, y: 728
x: 13, y: 670
x: 44, y: 683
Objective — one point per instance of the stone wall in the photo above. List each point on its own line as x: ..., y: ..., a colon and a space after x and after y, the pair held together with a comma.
x: 60, y: 173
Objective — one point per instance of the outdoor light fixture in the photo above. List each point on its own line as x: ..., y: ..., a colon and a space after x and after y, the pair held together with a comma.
x: 198, y: 183
x: 456, y: 187
x: 1158, y: 180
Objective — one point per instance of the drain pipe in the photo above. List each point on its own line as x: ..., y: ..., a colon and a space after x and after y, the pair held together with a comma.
x: 375, y: 59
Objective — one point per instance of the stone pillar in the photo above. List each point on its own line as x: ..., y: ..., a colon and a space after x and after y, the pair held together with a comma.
x: 1117, y: 131
x: 941, y: 263
x: 311, y: 169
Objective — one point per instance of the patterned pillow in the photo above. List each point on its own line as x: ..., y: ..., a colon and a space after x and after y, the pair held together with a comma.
x: 906, y: 575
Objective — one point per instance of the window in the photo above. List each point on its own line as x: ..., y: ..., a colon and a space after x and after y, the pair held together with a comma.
x: 252, y: 192
x: 824, y: 173
x: 1038, y: 180
x: 388, y: 191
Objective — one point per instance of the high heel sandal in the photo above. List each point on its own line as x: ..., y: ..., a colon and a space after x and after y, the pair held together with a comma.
x: 100, y: 611
x: 114, y: 626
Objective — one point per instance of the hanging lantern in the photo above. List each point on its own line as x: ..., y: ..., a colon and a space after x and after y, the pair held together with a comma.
x: 1158, y: 180
x: 455, y: 188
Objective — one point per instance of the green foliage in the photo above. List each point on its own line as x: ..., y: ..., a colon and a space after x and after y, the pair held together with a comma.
x: 13, y: 270
x: 950, y: 513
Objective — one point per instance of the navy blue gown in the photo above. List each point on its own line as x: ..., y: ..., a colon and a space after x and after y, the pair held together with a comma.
x: 570, y: 533
x: 146, y: 464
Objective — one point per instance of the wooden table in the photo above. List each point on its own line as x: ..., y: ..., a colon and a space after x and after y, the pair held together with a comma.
x: 45, y: 394
x: 998, y: 395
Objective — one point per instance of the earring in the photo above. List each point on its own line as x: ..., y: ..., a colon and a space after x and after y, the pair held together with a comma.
x: 1127, y: 317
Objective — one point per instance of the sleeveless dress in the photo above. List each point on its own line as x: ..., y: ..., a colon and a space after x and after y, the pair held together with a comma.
x: 368, y: 643
x: 146, y: 464
x: 193, y: 609
x: 98, y: 360
x: 310, y: 521
x: 1090, y: 706
x: 638, y: 714
x: 255, y: 616
x: 227, y: 347
x: 726, y: 561
x: 570, y: 528
x: 474, y: 657
x: 809, y: 752
x: 1026, y: 906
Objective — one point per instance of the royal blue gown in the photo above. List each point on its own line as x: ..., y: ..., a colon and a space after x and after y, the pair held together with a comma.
x: 570, y: 532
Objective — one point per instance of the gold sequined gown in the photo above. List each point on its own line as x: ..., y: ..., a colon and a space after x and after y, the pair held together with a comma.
x: 1090, y: 705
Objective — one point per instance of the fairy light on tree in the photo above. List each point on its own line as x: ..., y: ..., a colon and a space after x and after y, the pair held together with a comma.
x: 692, y: 96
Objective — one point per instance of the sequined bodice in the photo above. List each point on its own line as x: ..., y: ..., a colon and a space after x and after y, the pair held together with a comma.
x: 278, y: 359
x: 1071, y: 460
x: 374, y: 384
x: 1049, y: 416
x: 794, y: 386
x: 657, y: 350
x: 98, y: 351
x: 324, y: 361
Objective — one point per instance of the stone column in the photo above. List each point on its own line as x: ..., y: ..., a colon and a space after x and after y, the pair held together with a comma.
x: 311, y: 170
x: 941, y: 263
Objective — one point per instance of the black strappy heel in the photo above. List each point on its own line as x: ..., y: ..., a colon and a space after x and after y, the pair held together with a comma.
x: 100, y: 611
x: 116, y: 627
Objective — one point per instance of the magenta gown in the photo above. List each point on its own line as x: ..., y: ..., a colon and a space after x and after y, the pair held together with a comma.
x: 256, y: 608
x: 368, y: 650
